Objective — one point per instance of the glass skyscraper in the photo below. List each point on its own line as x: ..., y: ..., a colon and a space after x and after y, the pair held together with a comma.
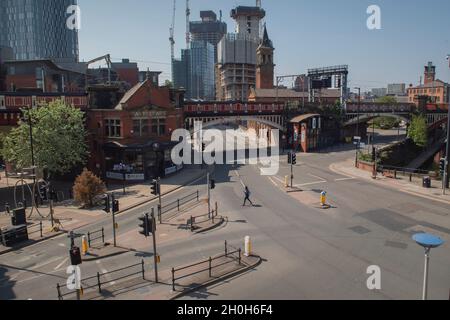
x: 37, y: 29
x: 195, y: 71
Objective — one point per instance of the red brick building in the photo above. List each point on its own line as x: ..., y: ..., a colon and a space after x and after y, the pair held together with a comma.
x: 136, y: 133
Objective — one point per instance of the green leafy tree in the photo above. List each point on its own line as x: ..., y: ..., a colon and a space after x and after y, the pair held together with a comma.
x: 386, y: 100
x: 418, y: 130
x: 87, y: 187
x: 59, y: 139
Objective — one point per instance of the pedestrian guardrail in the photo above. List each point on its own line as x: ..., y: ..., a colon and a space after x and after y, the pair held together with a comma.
x: 235, y: 255
x: 93, y: 236
x: 98, y: 281
x: 202, y: 219
x: 36, y: 228
x: 393, y: 172
x: 177, y: 204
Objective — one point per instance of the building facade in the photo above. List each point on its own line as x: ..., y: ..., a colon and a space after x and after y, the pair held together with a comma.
x: 432, y: 90
x: 195, y: 71
x: 38, y: 29
x: 396, y: 89
x: 209, y: 29
x: 265, y: 67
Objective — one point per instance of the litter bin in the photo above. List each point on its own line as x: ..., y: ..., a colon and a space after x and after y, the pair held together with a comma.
x: 426, y: 182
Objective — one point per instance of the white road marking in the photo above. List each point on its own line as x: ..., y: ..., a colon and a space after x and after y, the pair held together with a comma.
x: 61, y: 264
x: 344, y: 179
x: 62, y: 245
x: 271, y: 180
x: 317, y: 177
x: 238, y: 175
x: 309, y: 184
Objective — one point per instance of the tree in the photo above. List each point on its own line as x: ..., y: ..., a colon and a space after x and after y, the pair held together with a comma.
x: 386, y: 100
x: 418, y: 130
x: 88, y: 186
x: 59, y: 138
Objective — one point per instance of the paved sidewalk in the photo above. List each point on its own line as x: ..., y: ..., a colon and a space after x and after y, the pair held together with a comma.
x: 70, y: 216
x: 401, y: 183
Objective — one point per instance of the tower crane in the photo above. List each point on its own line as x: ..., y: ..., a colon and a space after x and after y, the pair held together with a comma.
x: 172, y: 31
x: 188, y: 15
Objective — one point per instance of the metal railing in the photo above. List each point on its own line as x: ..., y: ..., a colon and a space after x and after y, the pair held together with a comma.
x: 99, y: 284
x: 405, y: 172
x: 35, y: 231
x: 4, y: 235
x: 96, y: 235
x: 202, y: 218
x: 177, y: 204
x: 236, y: 255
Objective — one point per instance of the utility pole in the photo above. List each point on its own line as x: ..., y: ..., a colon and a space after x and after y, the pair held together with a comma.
x: 357, y: 125
x: 208, y: 181
x: 447, y: 151
x: 159, y: 192
x: 155, y: 254
x: 113, y: 200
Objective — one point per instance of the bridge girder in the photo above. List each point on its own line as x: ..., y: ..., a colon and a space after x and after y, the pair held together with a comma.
x: 352, y: 119
x: 209, y: 122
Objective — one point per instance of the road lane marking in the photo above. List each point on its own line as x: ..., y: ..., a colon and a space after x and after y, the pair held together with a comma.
x: 240, y: 180
x: 344, y: 179
x: 309, y: 184
x: 271, y: 180
x: 62, y: 245
x: 317, y: 177
x: 61, y: 264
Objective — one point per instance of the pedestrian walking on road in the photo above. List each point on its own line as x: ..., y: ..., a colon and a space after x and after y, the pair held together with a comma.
x: 247, y: 196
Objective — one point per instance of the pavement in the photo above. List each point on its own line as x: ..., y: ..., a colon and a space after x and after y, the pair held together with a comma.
x: 71, y: 217
x: 402, y: 183
x: 307, y: 252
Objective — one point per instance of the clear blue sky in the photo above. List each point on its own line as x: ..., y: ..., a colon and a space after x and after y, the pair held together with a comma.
x: 306, y: 34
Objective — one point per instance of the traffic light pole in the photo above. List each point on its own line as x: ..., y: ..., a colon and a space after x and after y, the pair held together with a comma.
x: 208, y: 181
x: 447, y: 154
x: 159, y: 192
x: 292, y: 175
x: 155, y: 254
x: 113, y: 219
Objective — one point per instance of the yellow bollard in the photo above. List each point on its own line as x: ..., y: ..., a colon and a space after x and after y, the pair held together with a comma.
x: 248, y: 246
x: 323, y: 199
x: 286, y: 181
x: 84, y: 246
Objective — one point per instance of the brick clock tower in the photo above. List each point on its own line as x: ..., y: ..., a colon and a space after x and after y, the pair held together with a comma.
x: 265, y: 66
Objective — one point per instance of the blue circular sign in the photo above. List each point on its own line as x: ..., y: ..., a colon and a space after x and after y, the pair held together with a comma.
x: 428, y: 240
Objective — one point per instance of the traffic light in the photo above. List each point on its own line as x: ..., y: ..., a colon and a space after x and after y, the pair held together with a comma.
x: 294, y: 158
x: 75, y: 256
x: 442, y: 166
x: 203, y: 147
x: 156, y: 188
x: 146, y: 225
x: 116, y: 207
x: 107, y: 205
x: 213, y: 184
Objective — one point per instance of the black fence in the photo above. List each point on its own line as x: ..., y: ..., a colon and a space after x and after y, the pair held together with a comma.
x: 202, y: 219
x: 98, y: 282
x: 95, y: 236
x: 235, y: 254
x: 394, y: 172
x: 177, y: 204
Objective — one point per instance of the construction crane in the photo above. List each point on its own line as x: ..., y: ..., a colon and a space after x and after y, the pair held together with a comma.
x: 172, y: 31
x: 259, y: 5
x: 107, y: 58
x: 188, y: 16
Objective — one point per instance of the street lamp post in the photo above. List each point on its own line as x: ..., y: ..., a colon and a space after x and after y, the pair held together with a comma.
x: 357, y: 125
x: 30, y: 124
x: 447, y: 151
x: 428, y: 242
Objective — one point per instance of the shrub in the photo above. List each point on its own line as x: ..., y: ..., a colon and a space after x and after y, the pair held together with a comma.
x: 87, y: 186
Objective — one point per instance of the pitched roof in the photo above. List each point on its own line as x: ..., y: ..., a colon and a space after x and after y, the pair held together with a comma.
x: 129, y: 94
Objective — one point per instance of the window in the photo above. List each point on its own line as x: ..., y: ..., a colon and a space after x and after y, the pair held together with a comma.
x: 113, y: 128
x: 158, y: 127
x: 140, y: 127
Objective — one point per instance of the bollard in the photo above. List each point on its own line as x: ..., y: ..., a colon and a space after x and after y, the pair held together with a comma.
x: 323, y: 199
x: 192, y: 224
x: 173, y: 279
x: 210, y: 267
x: 248, y: 246
x: 84, y: 245
x: 217, y: 209
x: 89, y: 239
x: 103, y: 235
x: 226, y: 249
x: 40, y: 227
x: 99, y: 283
x: 58, y: 288
x: 240, y: 255
x: 143, y: 269
x: 286, y: 181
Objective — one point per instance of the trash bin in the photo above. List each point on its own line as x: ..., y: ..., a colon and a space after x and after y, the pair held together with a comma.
x: 426, y: 182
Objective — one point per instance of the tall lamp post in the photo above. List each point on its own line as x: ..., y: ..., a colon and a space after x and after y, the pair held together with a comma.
x: 428, y: 242
x: 447, y: 151
x: 30, y: 125
x: 357, y: 126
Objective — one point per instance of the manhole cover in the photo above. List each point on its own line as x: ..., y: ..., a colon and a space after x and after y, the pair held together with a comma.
x: 360, y: 230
